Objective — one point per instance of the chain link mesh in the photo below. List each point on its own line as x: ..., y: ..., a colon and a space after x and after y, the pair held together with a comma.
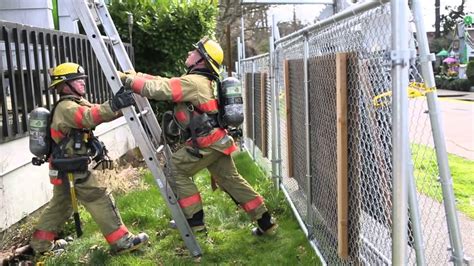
x: 366, y: 39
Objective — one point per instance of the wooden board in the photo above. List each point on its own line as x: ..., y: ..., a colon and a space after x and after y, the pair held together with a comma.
x: 342, y: 164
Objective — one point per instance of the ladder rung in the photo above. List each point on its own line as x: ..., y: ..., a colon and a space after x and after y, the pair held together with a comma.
x: 160, y: 149
x: 143, y: 113
x: 114, y: 41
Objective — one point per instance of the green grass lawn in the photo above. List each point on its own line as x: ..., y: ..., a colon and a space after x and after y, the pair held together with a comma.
x: 228, y: 242
x: 462, y: 172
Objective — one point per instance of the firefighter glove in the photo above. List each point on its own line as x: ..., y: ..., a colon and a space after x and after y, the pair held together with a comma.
x: 124, y: 75
x: 123, y: 98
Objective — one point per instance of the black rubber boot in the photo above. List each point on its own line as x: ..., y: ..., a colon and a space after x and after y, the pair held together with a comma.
x: 265, y: 226
x: 196, y: 222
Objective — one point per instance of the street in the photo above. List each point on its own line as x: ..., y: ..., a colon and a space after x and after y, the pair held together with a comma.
x: 457, y: 114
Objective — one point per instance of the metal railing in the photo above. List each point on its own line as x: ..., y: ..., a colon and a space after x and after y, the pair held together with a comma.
x: 356, y: 168
x: 26, y: 55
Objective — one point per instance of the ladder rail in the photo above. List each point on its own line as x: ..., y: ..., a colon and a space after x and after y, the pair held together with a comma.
x: 125, y: 63
x: 79, y: 10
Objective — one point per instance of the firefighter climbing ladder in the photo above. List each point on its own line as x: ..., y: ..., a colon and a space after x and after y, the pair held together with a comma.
x: 147, y: 132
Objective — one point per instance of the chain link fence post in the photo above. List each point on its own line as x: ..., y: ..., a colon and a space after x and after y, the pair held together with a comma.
x: 400, y: 56
x: 438, y: 137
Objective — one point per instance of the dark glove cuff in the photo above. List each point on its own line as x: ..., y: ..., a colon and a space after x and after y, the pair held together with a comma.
x: 114, y: 108
x: 128, y: 83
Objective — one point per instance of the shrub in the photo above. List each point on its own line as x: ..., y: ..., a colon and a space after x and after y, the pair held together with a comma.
x: 453, y: 84
x: 470, y: 72
x: 164, y: 31
x: 460, y: 85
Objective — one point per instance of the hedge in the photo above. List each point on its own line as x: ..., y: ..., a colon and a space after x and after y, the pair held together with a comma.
x: 453, y: 84
x: 164, y: 31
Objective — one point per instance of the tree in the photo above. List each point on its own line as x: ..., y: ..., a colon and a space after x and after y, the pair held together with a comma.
x: 255, y: 26
x: 288, y: 27
x: 455, y: 15
x: 437, y: 19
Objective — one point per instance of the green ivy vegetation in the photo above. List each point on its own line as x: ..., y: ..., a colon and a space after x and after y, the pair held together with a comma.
x: 163, y: 31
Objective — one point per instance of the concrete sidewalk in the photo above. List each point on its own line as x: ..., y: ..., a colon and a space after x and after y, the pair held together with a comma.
x: 457, y: 109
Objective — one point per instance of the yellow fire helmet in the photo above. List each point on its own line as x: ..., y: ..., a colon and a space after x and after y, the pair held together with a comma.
x: 66, y: 72
x: 212, y: 53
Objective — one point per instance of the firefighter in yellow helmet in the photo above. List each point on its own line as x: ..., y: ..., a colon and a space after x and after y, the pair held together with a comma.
x: 207, y: 145
x: 71, y: 123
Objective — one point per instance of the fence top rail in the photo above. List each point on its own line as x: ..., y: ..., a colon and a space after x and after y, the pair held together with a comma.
x: 51, y: 32
x: 347, y: 13
x: 255, y: 57
x: 4, y: 23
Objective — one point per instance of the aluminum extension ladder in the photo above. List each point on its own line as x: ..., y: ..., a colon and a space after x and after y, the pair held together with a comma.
x: 144, y: 126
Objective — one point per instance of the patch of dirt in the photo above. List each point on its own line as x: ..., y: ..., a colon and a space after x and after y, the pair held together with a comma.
x: 122, y: 179
x: 15, y: 237
x: 126, y: 175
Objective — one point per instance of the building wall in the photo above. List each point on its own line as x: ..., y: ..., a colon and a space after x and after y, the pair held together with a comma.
x: 30, y: 12
x: 65, y: 21
x: 38, y: 13
x: 24, y: 188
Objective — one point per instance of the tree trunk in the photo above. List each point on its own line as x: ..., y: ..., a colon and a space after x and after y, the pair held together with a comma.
x: 437, y: 19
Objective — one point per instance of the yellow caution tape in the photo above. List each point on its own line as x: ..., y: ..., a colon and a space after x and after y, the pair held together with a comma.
x: 415, y: 89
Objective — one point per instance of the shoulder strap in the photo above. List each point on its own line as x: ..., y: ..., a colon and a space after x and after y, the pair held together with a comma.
x: 62, y: 99
x: 63, y: 141
x: 204, y: 72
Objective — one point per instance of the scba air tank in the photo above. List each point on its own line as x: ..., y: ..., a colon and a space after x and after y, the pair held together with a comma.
x: 39, y: 135
x: 232, y: 109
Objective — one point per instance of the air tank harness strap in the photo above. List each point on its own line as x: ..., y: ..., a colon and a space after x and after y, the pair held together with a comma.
x: 200, y: 124
x: 66, y: 163
x: 192, y: 128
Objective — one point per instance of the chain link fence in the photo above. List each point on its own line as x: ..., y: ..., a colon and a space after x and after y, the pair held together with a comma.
x: 257, y: 104
x: 305, y: 71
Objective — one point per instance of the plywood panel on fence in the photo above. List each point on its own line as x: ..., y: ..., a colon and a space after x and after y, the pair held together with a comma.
x: 297, y: 139
x: 248, y: 105
x: 263, y: 107
x: 323, y: 141
x: 257, y: 102
x: 342, y: 163
x: 286, y: 72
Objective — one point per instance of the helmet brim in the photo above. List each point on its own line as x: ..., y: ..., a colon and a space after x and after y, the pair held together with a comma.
x: 209, y: 61
x: 54, y: 83
x: 215, y: 68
